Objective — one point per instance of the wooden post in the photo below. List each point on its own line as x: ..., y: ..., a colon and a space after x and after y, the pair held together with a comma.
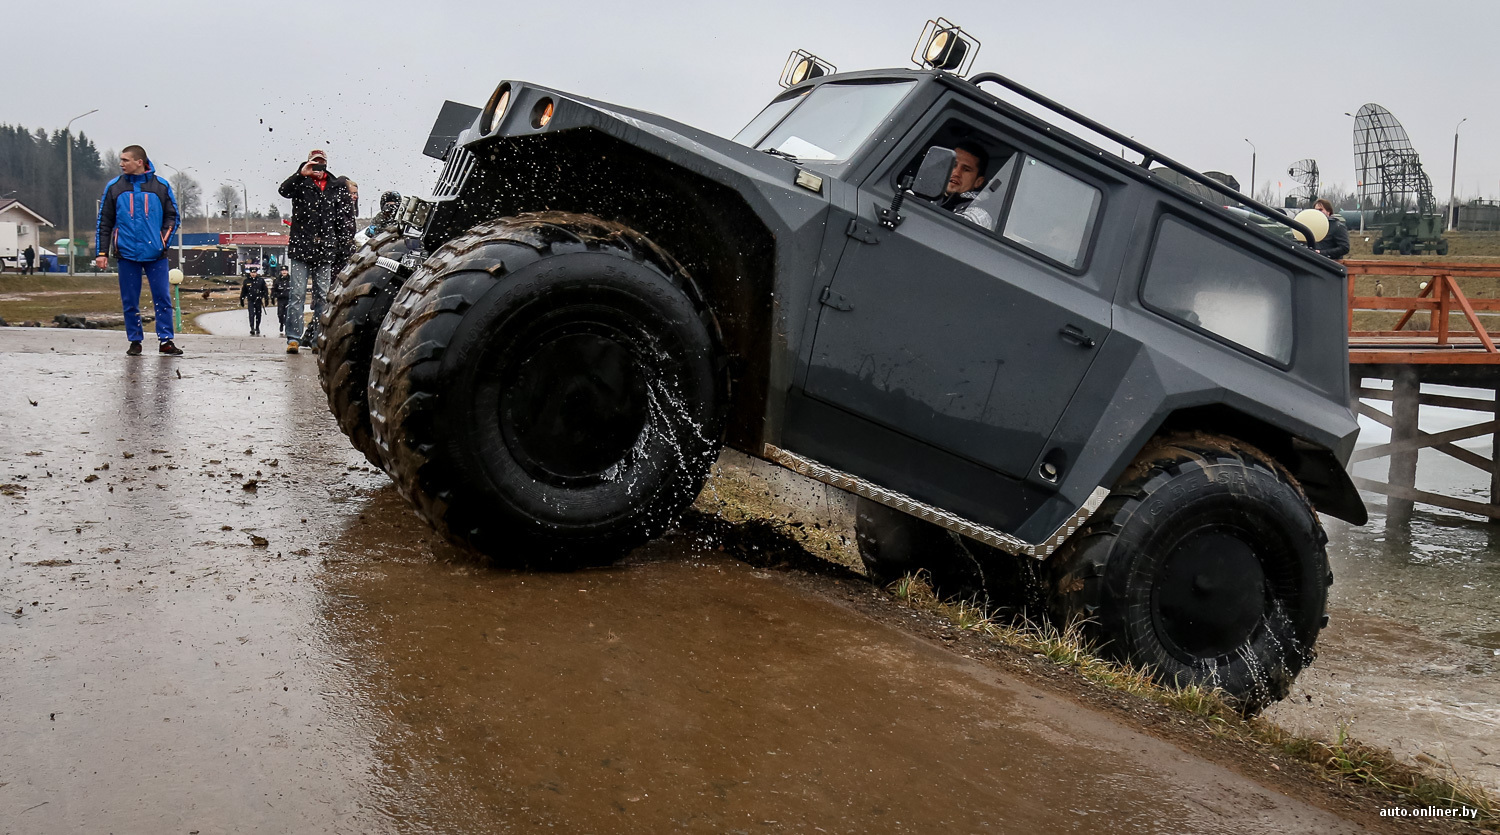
x: 1406, y: 390
x: 1495, y: 462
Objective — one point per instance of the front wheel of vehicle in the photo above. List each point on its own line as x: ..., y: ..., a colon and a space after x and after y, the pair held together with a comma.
x: 547, y: 390
x: 1206, y: 566
x: 360, y: 297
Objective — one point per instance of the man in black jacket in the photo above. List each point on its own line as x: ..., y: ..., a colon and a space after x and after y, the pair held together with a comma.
x: 321, y: 236
x: 253, y: 295
x: 1335, y: 244
x: 279, y: 283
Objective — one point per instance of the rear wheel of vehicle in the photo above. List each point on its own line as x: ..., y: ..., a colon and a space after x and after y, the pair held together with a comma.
x: 547, y: 390
x: 361, y: 295
x: 1405, y: 247
x: 1442, y: 247
x: 1378, y: 247
x: 893, y: 544
x: 1206, y: 566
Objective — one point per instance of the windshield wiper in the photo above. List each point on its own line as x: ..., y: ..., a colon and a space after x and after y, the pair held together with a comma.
x: 777, y: 152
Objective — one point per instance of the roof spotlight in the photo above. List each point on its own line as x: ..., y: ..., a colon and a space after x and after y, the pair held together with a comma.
x: 944, y: 45
x: 802, y: 66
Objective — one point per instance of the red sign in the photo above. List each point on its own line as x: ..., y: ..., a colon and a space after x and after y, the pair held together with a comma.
x: 252, y: 239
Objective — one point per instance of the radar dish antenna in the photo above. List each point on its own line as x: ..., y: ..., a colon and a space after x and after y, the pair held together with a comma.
x: 1391, y: 178
x: 1304, y: 172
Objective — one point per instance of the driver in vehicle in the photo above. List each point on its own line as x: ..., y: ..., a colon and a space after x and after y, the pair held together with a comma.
x: 964, y: 184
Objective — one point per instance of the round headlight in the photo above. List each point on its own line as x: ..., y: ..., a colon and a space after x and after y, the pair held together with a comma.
x: 499, y: 102
x: 937, y: 46
x: 541, y: 114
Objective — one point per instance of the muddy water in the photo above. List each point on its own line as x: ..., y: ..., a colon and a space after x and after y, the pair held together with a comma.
x: 1410, y: 658
x: 182, y: 649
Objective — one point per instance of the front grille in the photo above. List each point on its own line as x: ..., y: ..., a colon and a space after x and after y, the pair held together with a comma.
x: 460, y: 162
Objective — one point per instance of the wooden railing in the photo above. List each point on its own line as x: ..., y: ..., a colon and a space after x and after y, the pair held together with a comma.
x: 1442, y: 297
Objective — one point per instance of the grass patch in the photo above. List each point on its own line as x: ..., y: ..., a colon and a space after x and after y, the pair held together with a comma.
x: 1340, y: 759
x: 38, y: 298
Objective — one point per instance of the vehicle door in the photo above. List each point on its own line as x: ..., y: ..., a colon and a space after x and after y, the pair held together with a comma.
x: 970, y: 337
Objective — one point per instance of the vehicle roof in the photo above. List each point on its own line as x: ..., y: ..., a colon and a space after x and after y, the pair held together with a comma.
x: 973, y: 92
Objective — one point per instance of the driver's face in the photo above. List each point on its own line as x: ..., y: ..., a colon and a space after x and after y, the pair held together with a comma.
x: 966, y: 174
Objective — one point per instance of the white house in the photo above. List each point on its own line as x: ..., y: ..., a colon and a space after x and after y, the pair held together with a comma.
x: 27, y: 223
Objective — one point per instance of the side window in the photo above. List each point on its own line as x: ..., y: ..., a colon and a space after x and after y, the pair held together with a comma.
x: 1052, y: 213
x: 1201, y: 281
x: 992, y: 195
x: 1010, y: 193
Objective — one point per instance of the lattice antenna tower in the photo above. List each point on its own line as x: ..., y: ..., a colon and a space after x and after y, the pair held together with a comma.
x: 1390, y: 172
x: 1304, y: 172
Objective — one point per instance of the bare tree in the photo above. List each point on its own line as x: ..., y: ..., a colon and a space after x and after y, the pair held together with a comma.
x: 189, y: 194
x: 228, y: 200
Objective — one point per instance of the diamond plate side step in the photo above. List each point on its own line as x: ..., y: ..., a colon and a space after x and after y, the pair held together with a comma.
x: 906, y: 504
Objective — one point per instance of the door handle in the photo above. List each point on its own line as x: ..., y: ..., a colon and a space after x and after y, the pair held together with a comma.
x: 1075, y: 335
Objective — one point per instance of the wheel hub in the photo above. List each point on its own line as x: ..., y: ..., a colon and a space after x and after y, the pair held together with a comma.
x: 575, y: 407
x: 1210, y: 594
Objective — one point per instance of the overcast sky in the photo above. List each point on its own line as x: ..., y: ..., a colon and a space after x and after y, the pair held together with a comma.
x: 242, y: 92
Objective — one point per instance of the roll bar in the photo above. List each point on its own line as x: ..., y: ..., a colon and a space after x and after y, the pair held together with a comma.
x: 1148, y: 155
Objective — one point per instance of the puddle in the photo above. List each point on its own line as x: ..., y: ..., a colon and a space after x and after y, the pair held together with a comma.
x: 352, y: 675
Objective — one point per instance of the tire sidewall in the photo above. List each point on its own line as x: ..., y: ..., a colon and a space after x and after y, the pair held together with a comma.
x: 675, y: 352
x: 1229, y: 495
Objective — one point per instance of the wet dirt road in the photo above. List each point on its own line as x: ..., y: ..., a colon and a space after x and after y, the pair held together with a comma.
x: 216, y: 618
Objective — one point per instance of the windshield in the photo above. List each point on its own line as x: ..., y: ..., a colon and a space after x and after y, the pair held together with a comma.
x: 830, y: 123
x: 762, y: 124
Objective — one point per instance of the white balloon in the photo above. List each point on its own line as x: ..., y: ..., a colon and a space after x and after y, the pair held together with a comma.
x: 1315, y: 221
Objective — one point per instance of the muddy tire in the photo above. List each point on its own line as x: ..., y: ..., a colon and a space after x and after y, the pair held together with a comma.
x: 1378, y: 248
x: 1441, y: 248
x: 547, y: 390
x: 893, y: 544
x: 1206, y: 566
x: 360, y: 296
x: 1405, y: 248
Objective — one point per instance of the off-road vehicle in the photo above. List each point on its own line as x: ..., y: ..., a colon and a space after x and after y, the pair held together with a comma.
x: 1135, y: 389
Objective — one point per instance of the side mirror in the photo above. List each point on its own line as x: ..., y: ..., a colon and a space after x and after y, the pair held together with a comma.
x: 933, y: 174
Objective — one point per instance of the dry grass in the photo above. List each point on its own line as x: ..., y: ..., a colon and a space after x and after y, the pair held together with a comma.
x: 38, y: 298
x: 1341, y: 759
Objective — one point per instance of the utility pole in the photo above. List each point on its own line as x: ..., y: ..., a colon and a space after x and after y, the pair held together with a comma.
x: 69, y: 131
x: 1361, y: 182
x: 1252, y: 168
x: 1453, y: 183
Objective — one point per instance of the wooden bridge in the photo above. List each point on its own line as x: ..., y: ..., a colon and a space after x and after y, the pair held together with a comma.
x: 1439, y: 336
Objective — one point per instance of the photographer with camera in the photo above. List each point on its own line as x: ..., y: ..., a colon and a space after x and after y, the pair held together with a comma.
x: 321, y: 236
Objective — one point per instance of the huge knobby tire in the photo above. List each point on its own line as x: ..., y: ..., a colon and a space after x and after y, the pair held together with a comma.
x: 360, y: 296
x: 1206, y: 566
x: 547, y: 390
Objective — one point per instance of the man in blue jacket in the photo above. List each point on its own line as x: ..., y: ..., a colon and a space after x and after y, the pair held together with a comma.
x: 137, y: 216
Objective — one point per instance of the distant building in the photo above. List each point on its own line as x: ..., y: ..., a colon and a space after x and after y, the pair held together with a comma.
x: 27, y: 223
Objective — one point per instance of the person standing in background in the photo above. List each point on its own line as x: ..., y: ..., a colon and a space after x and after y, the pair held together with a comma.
x: 279, y: 284
x: 253, y: 294
x: 137, y: 215
x: 321, y: 237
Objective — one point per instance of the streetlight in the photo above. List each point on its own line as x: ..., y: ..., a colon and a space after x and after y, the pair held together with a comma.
x: 1252, y: 168
x: 1361, y: 183
x: 1453, y: 183
x: 69, y: 131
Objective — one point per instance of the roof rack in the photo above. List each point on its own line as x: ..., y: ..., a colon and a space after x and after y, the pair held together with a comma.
x: 1148, y: 155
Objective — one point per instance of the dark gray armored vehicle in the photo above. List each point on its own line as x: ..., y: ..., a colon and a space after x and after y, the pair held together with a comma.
x: 1072, y: 361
